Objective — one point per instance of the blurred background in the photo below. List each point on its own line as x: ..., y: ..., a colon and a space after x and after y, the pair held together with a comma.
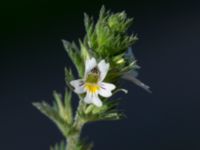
x: 32, y: 61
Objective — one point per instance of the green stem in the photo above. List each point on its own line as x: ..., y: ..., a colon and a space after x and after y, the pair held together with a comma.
x: 73, y: 140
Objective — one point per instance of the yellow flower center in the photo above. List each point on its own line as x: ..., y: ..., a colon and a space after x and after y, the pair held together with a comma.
x: 93, y: 88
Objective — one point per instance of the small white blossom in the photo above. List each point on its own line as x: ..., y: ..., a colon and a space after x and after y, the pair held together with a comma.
x: 92, y: 84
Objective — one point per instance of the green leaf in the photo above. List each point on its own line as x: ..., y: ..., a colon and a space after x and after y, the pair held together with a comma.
x: 64, y: 107
x: 69, y: 77
x: 108, y: 111
x: 74, y: 54
x: 68, y: 106
x: 84, y: 51
x: 53, y: 115
x: 59, y: 104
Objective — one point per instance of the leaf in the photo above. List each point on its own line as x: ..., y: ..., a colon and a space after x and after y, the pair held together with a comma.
x: 74, y: 54
x: 108, y: 111
x: 53, y: 115
x: 69, y: 77
x: 84, y: 51
x: 68, y: 106
x: 64, y: 107
x: 59, y: 104
x: 112, y: 116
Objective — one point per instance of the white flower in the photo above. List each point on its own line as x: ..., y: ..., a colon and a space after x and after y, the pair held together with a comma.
x: 92, y: 84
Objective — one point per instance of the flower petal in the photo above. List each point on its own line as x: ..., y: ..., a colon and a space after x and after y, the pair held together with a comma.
x: 105, y: 93
x: 96, y: 101
x: 108, y: 86
x: 92, y: 98
x: 103, y: 68
x: 88, y: 98
x: 89, y: 65
x: 79, y: 90
x: 78, y: 85
x: 106, y: 89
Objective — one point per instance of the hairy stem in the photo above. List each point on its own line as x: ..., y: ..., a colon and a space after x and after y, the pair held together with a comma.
x: 73, y: 140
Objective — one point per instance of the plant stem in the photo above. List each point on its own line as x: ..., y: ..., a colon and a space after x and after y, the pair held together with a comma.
x: 73, y: 140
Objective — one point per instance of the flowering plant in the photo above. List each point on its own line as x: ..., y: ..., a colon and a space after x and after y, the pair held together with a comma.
x: 102, y: 58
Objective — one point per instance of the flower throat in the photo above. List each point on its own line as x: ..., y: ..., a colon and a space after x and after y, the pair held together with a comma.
x: 93, y: 76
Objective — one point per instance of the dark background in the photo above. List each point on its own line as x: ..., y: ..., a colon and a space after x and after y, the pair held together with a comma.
x: 32, y: 59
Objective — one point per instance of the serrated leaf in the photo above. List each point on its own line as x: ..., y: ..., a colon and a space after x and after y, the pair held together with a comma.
x: 69, y: 77
x: 53, y: 115
x: 84, y: 51
x: 74, y: 54
x: 68, y: 106
x: 59, y: 103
